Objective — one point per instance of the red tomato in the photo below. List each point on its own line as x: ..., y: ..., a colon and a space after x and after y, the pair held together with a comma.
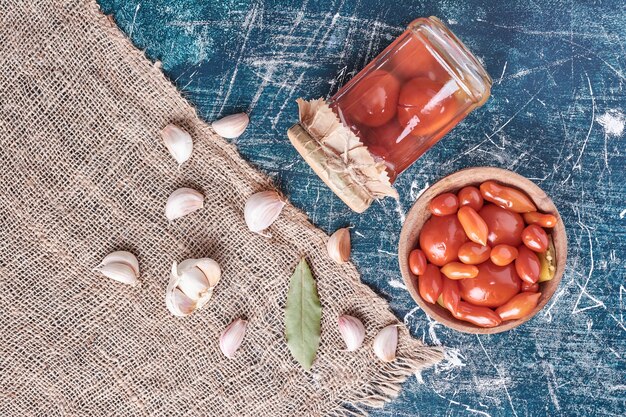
x: 507, y: 197
x: 412, y: 59
x: 430, y: 284
x: 473, y: 254
x: 417, y: 262
x: 480, y: 316
x: 422, y: 110
x: 458, y: 270
x: 502, y: 255
x: 527, y: 265
x: 519, y: 306
x: 528, y: 287
x: 373, y: 100
x: 444, y: 204
x: 441, y: 238
x: 474, y: 226
x: 505, y: 227
x: 493, y: 286
x: 535, y: 238
x: 470, y: 196
x: 450, y: 294
x: 540, y: 219
x: 388, y: 135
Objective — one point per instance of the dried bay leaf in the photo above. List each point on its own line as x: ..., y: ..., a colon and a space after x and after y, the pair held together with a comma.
x: 303, y: 314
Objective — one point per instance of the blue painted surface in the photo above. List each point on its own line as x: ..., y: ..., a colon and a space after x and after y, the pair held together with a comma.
x: 556, y: 116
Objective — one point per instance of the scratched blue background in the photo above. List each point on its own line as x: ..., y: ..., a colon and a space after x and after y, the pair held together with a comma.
x: 556, y: 116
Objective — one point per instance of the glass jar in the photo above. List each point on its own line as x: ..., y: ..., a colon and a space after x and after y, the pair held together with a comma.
x: 407, y: 98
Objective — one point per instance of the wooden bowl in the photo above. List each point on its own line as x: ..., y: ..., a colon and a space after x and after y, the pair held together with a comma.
x: 415, y: 219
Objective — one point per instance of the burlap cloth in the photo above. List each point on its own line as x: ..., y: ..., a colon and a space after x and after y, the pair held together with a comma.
x: 83, y: 172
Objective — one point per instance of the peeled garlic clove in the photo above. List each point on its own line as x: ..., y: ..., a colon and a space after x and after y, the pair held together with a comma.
x: 211, y: 270
x: 262, y: 209
x: 178, y: 303
x: 231, y: 126
x: 338, y: 245
x: 193, y: 283
x: 178, y: 142
x: 119, y: 272
x: 386, y: 342
x: 182, y: 202
x: 124, y: 258
x: 208, y: 266
x: 352, y: 331
x: 232, y: 336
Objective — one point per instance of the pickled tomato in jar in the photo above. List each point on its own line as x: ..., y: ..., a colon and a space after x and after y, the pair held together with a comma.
x: 397, y: 107
x: 413, y: 93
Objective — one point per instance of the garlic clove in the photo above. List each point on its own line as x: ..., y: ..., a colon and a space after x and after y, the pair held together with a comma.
x: 178, y: 142
x: 232, y: 336
x: 124, y: 258
x: 193, y: 283
x: 182, y: 202
x: 338, y: 246
x: 118, y: 271
x: 232, y: 126
x: 208, y: 266
x: 262, y: 209
x: 178, y: 303
x: 204, y: 299
x: 211, y: 270
x: 385, y: 343
x: 352, y: 331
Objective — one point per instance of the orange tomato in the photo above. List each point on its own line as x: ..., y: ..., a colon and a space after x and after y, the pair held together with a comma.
x: 421, y: 110
x: 540, y: 219
x: 444, y: 204
x: 450, y: 294
x: 507, y: 197
x: 480, y: 316
x: 417, y: 262
x: 473, y: 254
x: 505, y: 227
x: 474, y: 226
x: 502, y: 255
x: 441, y: 238
x: 528, y: 287
x: 470, y: 196
x: 458, y: 270
x: 429, y: 284
x: 493, y: 286
x: 535, y: 238
x: 527, y: 265
x: 519, y: 306
x: 373, y: 100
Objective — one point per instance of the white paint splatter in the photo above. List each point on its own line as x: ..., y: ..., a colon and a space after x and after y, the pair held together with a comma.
x: 400, y: 212
x: 622, y: 214
x: 612, y: 122
x: 415, y: 192
x: 397, y: 284
x: 452, y: 359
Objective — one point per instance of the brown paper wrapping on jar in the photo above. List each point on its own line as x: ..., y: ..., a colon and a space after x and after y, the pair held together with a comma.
x: 339, y: 157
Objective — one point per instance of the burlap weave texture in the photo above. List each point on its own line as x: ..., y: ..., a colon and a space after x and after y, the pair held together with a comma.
x: 83, y: 172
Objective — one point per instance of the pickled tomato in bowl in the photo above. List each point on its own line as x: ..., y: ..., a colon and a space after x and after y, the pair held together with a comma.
x: 489, y: 262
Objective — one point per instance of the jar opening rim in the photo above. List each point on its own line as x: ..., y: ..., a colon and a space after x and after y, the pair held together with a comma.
x: 451, y: 53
